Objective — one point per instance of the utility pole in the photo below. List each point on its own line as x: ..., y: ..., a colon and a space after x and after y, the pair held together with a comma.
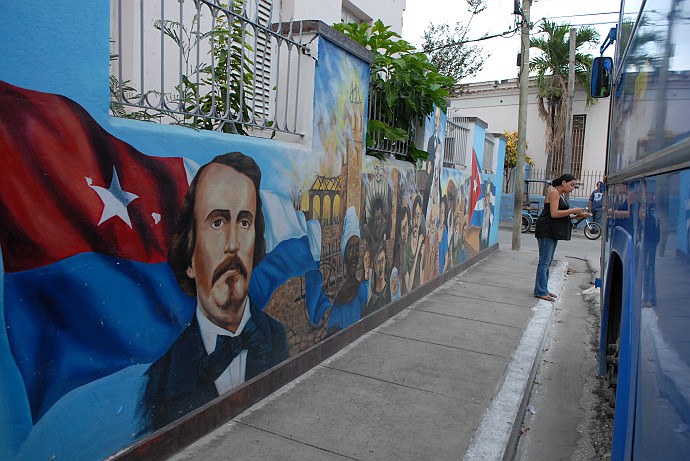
x: 568, y: 144
x: 519, y: 189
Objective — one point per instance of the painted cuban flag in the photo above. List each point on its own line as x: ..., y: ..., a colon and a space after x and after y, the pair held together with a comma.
x: 85, y: 223
x: 483, y: 216
x: 475, y: 190
x: 87, y: 299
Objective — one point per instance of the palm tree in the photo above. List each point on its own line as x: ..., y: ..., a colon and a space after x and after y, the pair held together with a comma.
x: 551, y: 68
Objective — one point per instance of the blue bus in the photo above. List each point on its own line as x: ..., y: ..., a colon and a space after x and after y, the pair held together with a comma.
x: 645, y: 317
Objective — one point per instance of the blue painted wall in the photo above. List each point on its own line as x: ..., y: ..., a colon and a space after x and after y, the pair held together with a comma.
x: 90, y: 306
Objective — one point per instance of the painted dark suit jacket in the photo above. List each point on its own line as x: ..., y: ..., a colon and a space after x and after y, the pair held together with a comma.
x: 175, y: 386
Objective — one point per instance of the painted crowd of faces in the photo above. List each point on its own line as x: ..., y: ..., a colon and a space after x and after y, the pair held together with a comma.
x: 409, y: 238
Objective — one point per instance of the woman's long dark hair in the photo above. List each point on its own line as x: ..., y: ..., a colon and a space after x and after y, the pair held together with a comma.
x: 564, y: 177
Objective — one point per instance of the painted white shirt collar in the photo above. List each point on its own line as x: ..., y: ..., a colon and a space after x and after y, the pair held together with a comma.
x: 234, y: 375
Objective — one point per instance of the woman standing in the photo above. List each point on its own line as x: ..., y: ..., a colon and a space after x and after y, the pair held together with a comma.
x: 553, y: 225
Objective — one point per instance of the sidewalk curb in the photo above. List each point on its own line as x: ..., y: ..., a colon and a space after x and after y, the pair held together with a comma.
x: 498, y: 433
x: 509, y: 225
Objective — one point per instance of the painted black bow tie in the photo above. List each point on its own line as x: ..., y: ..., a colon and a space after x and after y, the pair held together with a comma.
x: 227, y: 348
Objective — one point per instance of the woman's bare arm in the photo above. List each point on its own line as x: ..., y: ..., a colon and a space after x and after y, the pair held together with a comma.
x: 553, y: 198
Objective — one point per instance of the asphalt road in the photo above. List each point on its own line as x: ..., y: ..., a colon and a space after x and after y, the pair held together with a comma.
x: 568, y: 417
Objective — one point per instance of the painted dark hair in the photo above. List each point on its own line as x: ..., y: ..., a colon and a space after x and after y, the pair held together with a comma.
x: 380, y: 248
x: 184, y: 239
x: 563, y: 178
x: 417, y: 201
x: 404, y: 211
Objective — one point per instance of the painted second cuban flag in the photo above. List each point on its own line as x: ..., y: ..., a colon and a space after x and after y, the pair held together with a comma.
x: 484, y: 208
x: 85, y: 224
x: 475, y: 191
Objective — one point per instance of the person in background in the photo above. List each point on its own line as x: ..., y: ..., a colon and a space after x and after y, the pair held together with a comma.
x: 596, y: 200
x: 553, y: 225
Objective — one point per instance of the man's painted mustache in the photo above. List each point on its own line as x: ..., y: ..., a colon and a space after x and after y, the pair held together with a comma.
x: 233, y: 263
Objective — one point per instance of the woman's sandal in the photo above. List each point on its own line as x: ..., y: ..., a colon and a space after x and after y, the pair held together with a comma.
x: 552, y: 295
x: 547, y: 298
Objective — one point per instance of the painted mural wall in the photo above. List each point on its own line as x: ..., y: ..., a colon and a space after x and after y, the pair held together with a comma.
x: 137, y: 286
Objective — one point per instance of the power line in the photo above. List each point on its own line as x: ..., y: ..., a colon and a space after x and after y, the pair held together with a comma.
x: 513, y: 31
x: 584, y: 14
x: 594, y: 23
x: 507, y: 33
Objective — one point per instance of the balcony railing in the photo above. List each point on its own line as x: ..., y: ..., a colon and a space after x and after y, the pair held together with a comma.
x: 488, y: 161
x: 378, y: 144
x: 207, y: 64
x: 457, y: 135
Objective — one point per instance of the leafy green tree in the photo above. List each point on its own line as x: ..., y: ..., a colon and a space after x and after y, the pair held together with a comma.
x: 511, y: 151
x: 403, y: 83
x: 448, y: 50
x: 551, y: 69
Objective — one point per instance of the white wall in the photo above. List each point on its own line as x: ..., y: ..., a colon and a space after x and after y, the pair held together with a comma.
x: 329, y: 11
x: 497, y: 104
x: 390, y: 12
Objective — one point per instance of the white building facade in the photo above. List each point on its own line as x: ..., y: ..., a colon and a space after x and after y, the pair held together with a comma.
x: 390, y: 12
x: 497, y: 104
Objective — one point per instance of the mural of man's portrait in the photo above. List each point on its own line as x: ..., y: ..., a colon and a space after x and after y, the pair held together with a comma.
x: 218, y: 242
x: 434, y: 148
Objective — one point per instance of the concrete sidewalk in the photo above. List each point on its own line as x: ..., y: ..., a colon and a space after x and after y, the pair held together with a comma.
x: 446, y: 378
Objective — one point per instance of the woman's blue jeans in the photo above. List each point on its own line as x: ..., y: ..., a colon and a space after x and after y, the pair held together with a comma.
x: 547, y: 248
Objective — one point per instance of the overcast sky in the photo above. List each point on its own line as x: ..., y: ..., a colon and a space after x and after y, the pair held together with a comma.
x: 498, y: 18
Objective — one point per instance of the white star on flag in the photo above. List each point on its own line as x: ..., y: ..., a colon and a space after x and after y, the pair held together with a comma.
x: 115, y: 200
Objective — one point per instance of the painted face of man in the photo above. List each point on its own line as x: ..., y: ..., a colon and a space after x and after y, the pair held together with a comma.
x: 380, y: 265
x: 461, y: 210
x: 378, y: 173
x: 224, y: 211
x: 433, y: 220
x: 417, y: 216
x: 366, y: 258
x: 352, y: 255
x: 379, y: 218
x: 404, y: 228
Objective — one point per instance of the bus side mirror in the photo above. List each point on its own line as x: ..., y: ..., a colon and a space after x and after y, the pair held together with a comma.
x: 602, y: 70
